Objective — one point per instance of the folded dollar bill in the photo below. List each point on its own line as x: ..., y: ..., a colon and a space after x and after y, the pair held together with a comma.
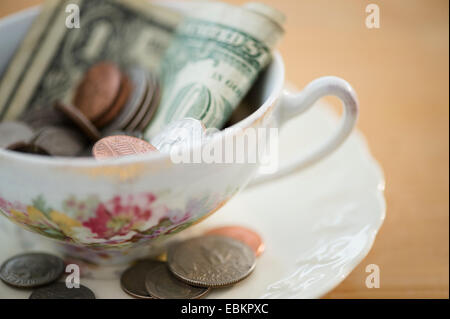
x: 214, y: 59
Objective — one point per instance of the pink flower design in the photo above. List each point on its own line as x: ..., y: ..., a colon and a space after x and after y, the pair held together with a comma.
x: 120, y: 215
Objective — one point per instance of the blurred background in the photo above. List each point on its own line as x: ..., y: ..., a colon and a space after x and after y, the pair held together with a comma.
x: 401, y: 74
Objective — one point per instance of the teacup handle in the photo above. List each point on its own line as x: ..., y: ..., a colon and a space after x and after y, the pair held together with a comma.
x: 295, y: 104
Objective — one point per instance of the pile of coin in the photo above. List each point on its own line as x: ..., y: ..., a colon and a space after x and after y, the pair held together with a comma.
x: 105, y: 119
x: 41, y: 271
x: 221, y: 258
x: 106, y: 102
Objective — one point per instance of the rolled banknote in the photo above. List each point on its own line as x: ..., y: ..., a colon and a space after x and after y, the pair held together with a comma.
x: 216, y: 55
x: 53, y: 58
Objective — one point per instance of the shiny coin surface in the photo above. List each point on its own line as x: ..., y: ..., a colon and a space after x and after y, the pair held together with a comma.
x: 98, y: 89
x: 125, y: 91
x: 245, y: 235
x: 211, y: 261
x: 31, y: 270
x: 14, y: 133
x: 161, y: 284
x: 133, y: 279
x: 79, y: 120
x: 138, y: 77
x: 186, y: 132
x: 59, y: 290
x: 120, y: 145
x: 60, y: 141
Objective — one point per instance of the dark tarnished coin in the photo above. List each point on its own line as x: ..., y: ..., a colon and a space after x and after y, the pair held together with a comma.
x: 60, y: 141
x: 59, y: 290
x: 79, y: 119
x: 98, y: 89
x: 14, y: 133
x: 125, y: 91
x: 133, y: 279
x: 41, y: 116
x: 121, y: 145
x: 211, y: 261
x: 138, y: 79
x: 31, y: 270
x: 151, y: 111
x: 161, y: 284
x: 28, y: 148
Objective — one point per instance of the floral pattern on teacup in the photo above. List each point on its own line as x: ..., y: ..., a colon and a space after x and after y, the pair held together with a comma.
x: 115, y: 223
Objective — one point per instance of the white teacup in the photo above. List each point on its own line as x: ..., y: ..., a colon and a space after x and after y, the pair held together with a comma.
x: 104, y: 210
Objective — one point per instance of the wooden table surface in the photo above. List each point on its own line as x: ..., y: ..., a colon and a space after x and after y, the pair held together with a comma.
x: 401, y: 74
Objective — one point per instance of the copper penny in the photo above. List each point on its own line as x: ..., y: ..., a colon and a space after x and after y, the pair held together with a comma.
x: 98, y: 89
x: 120, y: 145
x: 245, y: 235
x: 79, y: 119
x: 125, y: 91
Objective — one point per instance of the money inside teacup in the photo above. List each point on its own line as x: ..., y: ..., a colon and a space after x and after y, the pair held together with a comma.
x: 207, y: 57
x: 107, y: 100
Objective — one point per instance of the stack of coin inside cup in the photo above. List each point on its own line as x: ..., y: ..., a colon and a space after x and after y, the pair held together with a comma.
x: 41, y: 271
x: 221, y: 258
x: 107, y: 101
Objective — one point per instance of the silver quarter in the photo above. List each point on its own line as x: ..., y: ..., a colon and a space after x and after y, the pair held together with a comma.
x: 59, y: 290
x: 31, y: 270
x: 211, y: 261
x: 161, y: 284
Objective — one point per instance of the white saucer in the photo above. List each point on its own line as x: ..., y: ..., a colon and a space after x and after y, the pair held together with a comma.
x: 318, y: 225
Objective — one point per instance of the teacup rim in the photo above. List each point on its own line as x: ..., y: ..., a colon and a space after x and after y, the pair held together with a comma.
x: 154, y: 157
